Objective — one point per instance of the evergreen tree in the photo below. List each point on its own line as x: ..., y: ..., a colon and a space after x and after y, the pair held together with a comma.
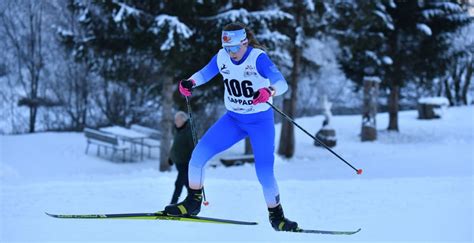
x: 138, y: 48
x: 361, y: 28
x: 418, y: 42
x: 444, y: 55
x: 151, y: 45
x: 306, y: 22
x: 408, y: 48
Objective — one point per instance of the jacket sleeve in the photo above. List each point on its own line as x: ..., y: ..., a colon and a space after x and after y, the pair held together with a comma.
x: 267, y: 69
x: 207, y: 72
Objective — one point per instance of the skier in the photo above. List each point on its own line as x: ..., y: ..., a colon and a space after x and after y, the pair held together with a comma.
x: 250, y: 79
x: 180, y: 153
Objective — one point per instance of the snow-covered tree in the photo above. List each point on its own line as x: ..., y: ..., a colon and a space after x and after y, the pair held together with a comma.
x: 136, y: 47
x: 447, y: 57
x: 361, y: 28
x: 419, y: 41
x: 405, y: 46
x: 176, y: 38
x: 308, y: 20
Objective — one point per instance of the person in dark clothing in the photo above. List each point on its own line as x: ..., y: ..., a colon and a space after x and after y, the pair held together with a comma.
x: 180, y: 153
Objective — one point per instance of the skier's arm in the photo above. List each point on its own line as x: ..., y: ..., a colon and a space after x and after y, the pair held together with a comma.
x: 267, y: 69
x: 206, y: 73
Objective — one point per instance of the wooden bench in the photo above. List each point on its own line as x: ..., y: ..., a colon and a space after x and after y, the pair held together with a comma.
x: 237, y: 159
x: 153, y: 137
x: 101, y: 139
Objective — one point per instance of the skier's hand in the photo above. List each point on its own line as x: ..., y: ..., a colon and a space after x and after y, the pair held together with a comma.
x: 262, y: 95
x: 170, y: 162
x: 185, y: 86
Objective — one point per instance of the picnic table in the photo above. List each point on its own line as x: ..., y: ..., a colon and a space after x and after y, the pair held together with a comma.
x: 126, y: 134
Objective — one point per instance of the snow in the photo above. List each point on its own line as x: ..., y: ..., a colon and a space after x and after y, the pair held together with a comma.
x: 83, y: 17
x: 124, y: 11
x: 276, y: 36
x: 441, y: 101
x: 424, y: 28
x: 299, y: 36
x: 244, y: 16
x: 387, y: 60
x: 392, y: 4
x: 385, y: 18
x: 309, y: 4
x: 373, y: 56
x: 451, y: 7
x: 432, y: 13
x: 64, y: 33
x: 375, y: 79
x: 174, y: 26
x: 417, y: 186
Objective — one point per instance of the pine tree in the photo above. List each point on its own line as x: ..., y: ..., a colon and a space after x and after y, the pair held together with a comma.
x: 306, y: 19
x: 445, y: 53
x: 361, y: 28
x: 418, y: 44
x: 408, y: 48
x: 138, y: 48
x: 176, y: 38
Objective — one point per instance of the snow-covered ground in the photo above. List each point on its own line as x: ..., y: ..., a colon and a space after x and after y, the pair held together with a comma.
x: 417, y: 186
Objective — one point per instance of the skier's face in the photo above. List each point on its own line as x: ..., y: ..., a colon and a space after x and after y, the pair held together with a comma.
x: 236, y: 52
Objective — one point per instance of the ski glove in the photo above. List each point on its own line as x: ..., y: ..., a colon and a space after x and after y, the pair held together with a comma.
x: 185, y: 86
x: 262, y: 95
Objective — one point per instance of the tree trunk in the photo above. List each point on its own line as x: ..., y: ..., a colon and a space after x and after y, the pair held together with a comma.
x: 33, y: 110
x: 369, y: 110
x: 286, y: 147
x: 395, y: 76
x: 467, y: 80
x: 457, y: 76
x: 393, y: 107
x: 166, y: 122
x: 84, y: 93
x: 449, y: 96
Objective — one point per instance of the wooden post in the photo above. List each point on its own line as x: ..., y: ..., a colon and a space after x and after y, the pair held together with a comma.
x: 326, y: 134
x: 369, y: 109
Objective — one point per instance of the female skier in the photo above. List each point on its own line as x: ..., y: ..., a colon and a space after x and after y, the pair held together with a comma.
x: 250, y: 80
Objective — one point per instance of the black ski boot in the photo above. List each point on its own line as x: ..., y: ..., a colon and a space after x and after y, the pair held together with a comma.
x: 279, y: 222
x: 191, y: 206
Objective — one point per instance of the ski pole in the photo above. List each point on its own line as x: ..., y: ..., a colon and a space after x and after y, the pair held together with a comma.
x: 193, y: 133
x: 190, y: 114
x: 359, y: 171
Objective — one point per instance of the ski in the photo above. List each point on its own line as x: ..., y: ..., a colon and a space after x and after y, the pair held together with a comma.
x: 163, y: 216
x: 151, y: 216
x: 327, y: 232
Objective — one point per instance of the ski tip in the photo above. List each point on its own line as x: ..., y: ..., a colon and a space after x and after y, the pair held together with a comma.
x: 51, y: 215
